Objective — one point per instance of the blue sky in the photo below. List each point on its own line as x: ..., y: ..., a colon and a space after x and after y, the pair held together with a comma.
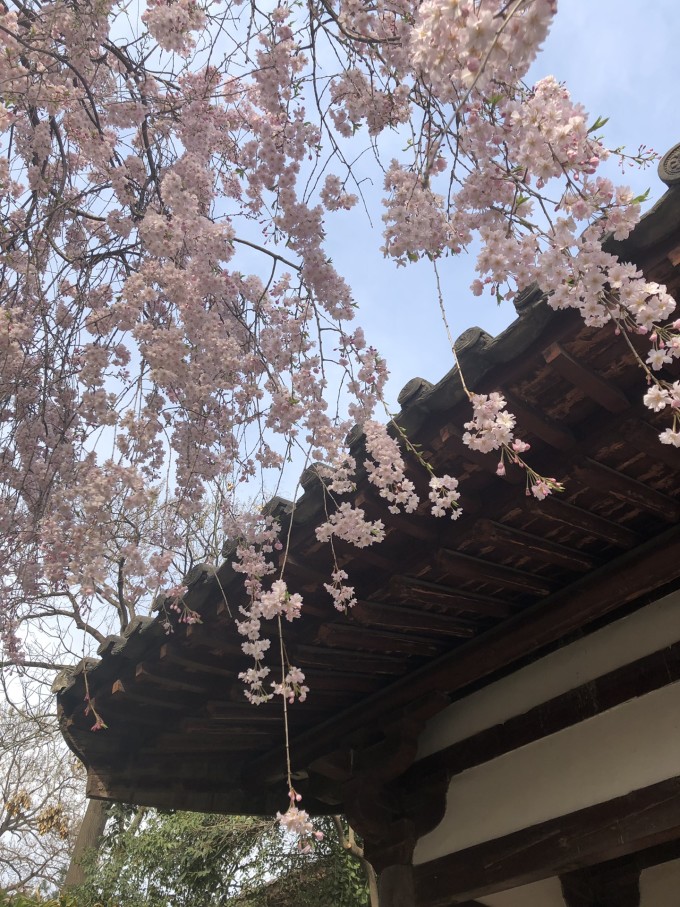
x: 619, y: 59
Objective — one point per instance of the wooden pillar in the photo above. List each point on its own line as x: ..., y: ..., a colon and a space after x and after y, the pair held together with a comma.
x: 395, y: 887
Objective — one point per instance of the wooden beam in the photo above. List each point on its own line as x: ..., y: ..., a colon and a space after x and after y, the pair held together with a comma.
x: 358, y: 638
x: 231, y: 712
x: 606, y: 874
x: 199, y: 664
x: 603, y: 392
x: 553, y: 433
x: 115, y: 713
x: 607, y: 831
x: 645, y: 438
x: 337, y: 659
x: 148, y: 675
x: 531, y: 546
x: 407, y: 620
x: 109, y: 786
x: 601, y: 479
x: 240, y: 713
x: 674, y: 256
x: 226, y: 798
x: 212, y: 730
x: 304, y: 572
x: 416, y: 591
x: 213, y: 639
x: 554, y: 509
x: 465, y: 567
x: 227, y: 741
x: 349, y: 554
x: 347, y: 681
x: 124, y: 691
x: 585, y: 701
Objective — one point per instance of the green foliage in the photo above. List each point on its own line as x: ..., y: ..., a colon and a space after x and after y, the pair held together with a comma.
x: 179, y: 859
x: 35, y: 900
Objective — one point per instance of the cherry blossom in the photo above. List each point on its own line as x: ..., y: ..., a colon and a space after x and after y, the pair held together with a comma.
x: 173, y: 330
x: 343, y: 596
x: 444, y: 496
x: 298, y: 823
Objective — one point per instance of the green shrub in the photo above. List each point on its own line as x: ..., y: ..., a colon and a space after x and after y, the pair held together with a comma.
x: 35, y: 900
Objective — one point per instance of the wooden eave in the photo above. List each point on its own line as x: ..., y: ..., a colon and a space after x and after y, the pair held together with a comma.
x: 443, y: 606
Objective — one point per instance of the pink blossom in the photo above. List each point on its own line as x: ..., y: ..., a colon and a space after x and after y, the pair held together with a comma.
x: 444, y: 496
x: 297, y: 822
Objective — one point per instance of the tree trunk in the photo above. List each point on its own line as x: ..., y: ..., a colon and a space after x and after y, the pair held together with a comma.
x: 89, y: 837
x: 348, y: 842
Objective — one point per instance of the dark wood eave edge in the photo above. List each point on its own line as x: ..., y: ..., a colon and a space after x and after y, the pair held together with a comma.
x: 480, y: 355
x: 653, y: 229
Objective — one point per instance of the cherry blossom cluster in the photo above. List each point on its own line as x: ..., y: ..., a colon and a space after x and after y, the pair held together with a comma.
x: 658, y: 397
x: 173, y: 601
x: 662, y: 393
x: 171, y: 22
x: 343, y: 596
x: 444, y: 496
x: 524, y: 162
x: 492, y: 428
x: 292, y: 687
x: 260, y: 538
x: 259, y: 541
x: 298, y: 823
x: 466, y: 43
x: 339, y: 477
x: 334, y: 196
x: 416, y: 221
x: 351, y: 525
x: 385, y: 469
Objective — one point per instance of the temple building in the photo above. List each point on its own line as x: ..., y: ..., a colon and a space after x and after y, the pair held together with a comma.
x: 499, y: 715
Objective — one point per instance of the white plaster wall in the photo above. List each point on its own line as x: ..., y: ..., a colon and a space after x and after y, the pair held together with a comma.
x: 660, y: 885
x: 648, y: 630
x: 623, y: 749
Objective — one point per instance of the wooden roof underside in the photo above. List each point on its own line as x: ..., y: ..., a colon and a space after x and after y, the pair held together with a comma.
x: 442, y: 606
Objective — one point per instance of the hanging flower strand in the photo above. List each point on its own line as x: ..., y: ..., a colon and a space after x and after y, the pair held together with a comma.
x: 491, y: 428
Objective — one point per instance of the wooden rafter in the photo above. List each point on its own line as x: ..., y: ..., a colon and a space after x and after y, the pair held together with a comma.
x: 414, y: 591
x: 596, y: 388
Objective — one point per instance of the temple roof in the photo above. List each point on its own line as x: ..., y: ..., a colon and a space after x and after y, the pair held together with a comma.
x: 443, y: 606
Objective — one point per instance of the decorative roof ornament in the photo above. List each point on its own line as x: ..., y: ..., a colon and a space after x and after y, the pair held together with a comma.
x: 669, y: 167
